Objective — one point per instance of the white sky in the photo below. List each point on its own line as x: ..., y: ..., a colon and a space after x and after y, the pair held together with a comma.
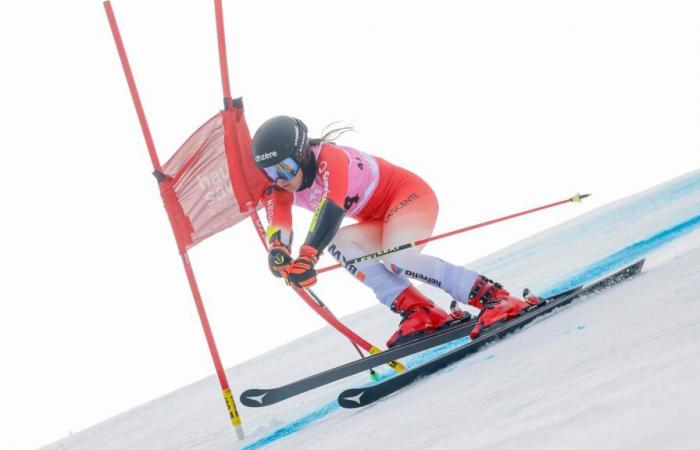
x: 500, y: 106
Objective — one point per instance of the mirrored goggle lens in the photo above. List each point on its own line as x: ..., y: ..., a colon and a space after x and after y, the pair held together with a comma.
x: 286, y: 169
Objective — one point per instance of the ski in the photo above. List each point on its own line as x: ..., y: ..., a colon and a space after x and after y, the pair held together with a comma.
x: 457, y: 329
x: 359, y: 397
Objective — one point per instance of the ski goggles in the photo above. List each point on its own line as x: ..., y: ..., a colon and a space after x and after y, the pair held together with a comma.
x: 285, y: 169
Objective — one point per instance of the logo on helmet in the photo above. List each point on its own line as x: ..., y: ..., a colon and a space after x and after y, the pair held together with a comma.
x: 296, y: 136
x: 265, y: 156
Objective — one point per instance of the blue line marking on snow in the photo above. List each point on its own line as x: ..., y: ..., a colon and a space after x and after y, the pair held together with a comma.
x: 677, y: 196
x: 626, y: 256
x: 590, y: 273
x: 294, y: 426
x: 303, y: 422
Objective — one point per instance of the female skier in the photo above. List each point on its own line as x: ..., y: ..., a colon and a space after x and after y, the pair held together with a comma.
x: 392, y: 206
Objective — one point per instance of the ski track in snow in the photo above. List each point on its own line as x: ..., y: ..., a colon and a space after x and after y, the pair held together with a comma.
x: 616, y: 370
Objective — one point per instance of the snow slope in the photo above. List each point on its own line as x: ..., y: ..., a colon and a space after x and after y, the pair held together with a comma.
x: 614, y: 371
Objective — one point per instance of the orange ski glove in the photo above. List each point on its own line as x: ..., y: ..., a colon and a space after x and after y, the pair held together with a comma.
x: 302, y: 273
x: 279, y: 259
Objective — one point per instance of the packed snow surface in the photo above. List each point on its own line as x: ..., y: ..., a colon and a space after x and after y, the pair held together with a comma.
x: 618, y: 370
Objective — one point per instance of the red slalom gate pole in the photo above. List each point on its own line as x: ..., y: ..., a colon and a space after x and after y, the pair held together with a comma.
x: 575, y: 199
x: 306, y: 294
x: 223, y: 381
x: 223, y: 61
x: 132, y: 87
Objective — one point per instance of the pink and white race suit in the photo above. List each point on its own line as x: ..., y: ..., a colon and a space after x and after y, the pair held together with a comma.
x: 392, y: 206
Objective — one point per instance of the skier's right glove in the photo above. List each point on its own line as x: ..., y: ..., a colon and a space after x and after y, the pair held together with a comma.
x: 279, y: 259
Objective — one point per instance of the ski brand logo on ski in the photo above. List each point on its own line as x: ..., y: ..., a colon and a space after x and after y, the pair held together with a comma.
x: 355, y: 398
x: 258, y: 398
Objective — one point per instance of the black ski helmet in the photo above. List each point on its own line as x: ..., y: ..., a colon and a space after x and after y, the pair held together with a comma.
x: 279, y: 138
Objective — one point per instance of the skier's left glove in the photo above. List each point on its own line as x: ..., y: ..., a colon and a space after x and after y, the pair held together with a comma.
x: 302, y: 273
x: 279, y: 260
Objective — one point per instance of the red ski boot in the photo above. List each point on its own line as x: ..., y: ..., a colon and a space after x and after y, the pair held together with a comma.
x: 496, y: 304
x: 420, y: 316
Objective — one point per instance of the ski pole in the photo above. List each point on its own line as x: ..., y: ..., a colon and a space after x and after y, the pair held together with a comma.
x: 575, y: 199
x: 320, y: 308
x: 373, y: 350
